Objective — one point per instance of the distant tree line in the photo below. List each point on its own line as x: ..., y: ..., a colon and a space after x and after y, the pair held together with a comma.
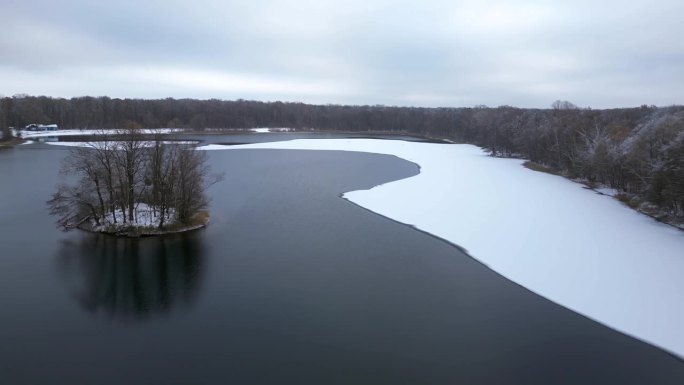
x: 105, y: 112
x: 639, y: 151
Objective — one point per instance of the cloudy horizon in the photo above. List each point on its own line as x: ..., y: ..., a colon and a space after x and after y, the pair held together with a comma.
x: 432, y: 53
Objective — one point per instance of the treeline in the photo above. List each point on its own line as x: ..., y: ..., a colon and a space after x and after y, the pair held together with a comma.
x: 639, y: 151
x: 131, y: 183
x: 104, y: 112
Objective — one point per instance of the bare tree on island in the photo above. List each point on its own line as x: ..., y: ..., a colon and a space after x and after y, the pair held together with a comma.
x: 127, y: 185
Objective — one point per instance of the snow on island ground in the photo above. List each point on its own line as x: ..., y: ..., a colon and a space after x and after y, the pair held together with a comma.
x: 145, y: 222
x: 578, y: 248
x: 144, y: 216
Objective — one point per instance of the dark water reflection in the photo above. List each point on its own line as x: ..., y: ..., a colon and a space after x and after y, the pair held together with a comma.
x: 132, y: 278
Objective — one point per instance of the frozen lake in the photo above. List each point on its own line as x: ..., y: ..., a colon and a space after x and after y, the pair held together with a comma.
x: 289, y: 283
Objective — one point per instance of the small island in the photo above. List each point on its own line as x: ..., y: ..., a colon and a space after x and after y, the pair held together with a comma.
x: 130, y: 185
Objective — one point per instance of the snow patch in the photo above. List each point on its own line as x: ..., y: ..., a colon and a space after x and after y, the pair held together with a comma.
x: 143, y: 216
x: 607, y: 191
x: 266, y: 130
x: 583, y: 250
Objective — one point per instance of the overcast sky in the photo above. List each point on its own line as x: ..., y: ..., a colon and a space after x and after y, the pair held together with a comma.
x: 425, y: 53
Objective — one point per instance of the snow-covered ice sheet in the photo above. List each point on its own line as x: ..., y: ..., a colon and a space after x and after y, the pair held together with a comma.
x: 583, y: 250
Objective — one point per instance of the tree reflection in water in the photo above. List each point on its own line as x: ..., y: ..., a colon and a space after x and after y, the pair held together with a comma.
x: 126, y: 278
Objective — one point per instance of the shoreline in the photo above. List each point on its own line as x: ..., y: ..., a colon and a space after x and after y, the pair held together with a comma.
x: 6, y: 145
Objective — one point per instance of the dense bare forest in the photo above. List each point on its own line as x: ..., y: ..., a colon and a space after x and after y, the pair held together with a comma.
x: 638, y: 151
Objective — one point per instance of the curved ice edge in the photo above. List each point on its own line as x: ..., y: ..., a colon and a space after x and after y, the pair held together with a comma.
x: 466, y: 252
x: 649, y: 252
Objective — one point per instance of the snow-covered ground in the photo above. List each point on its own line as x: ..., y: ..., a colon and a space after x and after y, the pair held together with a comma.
x: 265, y: 130
x: 143, y: 216
x: 581, y: 249
x: 607, y: 191
x: 25, y: 134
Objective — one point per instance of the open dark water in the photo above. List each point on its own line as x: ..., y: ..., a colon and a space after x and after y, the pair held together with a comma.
x: 289, y: 284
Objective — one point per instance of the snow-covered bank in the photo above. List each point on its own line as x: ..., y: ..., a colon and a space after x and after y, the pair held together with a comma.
x: 40, y: 134
x: 267, y: 130
x: 578, y: 248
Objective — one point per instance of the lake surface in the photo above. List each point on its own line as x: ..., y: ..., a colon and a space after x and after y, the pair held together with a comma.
x: 289, y: 284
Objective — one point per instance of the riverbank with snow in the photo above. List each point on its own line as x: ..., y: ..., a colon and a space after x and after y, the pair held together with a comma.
x: 25, y: 134
x: 583, y: 250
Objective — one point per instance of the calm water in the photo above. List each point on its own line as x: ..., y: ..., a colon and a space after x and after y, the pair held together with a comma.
x: 288, y: 284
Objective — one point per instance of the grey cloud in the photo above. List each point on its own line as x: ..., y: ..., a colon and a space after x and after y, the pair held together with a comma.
x: 431, y: 53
